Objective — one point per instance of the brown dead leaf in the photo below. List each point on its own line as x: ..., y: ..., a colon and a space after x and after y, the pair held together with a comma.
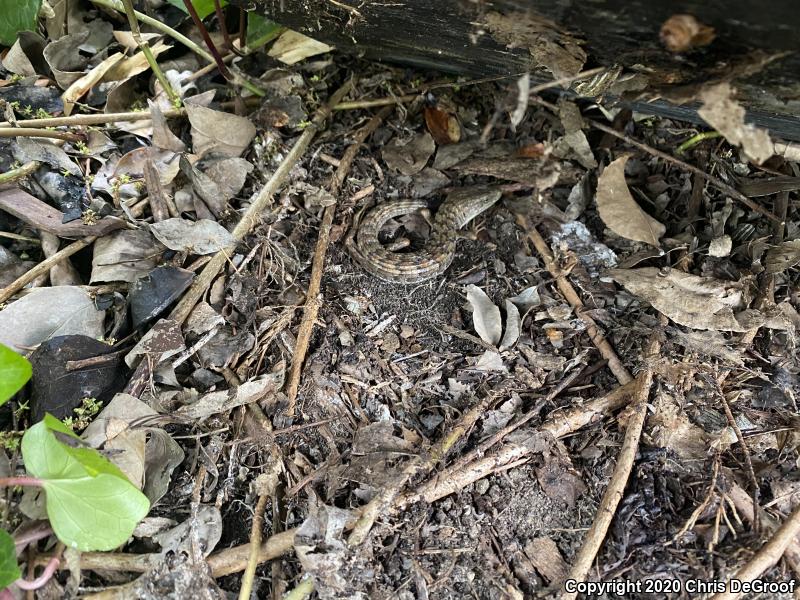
x: 689, y: 300
x: 546, y: 557
x: 78, y: 88
x: 619, y: 210
x: 220, y: 132
x: 409, y: 156
x: 726, y: 115
x: 681, y: 33
x: 782, y: 257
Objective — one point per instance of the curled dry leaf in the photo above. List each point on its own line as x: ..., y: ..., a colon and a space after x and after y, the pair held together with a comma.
x: 485, y: 315
x: 513, y: 326
x: 78, y: 88
x: 443, y: 125
x: 619, y: 210
x: 726, y: 115
x: 689, y: 300
x: 681, y: 33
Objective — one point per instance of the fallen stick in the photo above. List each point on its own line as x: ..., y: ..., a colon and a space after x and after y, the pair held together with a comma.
x: 565, y: 287
x: 558, y: 424
x: 313, y: 302
x: 767, y: 556
x: 616, y: 487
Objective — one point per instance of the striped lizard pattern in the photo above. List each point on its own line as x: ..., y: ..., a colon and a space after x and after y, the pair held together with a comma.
x: 458, y: 209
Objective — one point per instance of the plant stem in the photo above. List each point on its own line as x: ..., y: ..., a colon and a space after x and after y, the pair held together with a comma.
x: 28, y: 481
x: 696, y: 139
x: 49, y: 570
x: 159, y: 26
x: 144, y: 46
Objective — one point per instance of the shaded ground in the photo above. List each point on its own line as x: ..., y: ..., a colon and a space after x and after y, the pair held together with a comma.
x: 393, y: 370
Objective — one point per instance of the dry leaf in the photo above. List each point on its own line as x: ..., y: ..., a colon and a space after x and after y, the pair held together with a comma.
x: 689, y: 300
x: 782, y: 257
x: 726, y: 115
x: 681, y: 33
x: 409, y: 156
x: 513, y: 326
x: 215, y: 131
x: 619, y: 210
x: 293, y: 47
x: 485, y: 315
x: 85, y: 83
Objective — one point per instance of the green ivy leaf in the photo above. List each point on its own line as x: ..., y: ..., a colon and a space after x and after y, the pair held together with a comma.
x: 16, y: 16
x: 9, y: 569
x: 90, y: 502
x: 94, y: 513
x: 261, y: 30
x: 15, y: 370
x: 203, y: 7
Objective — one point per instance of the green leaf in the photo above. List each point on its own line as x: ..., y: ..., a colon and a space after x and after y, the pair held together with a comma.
x: 16, y: 16
x: 9, y: 569
x: 15, y: 370
x: 94, y: 513
x: 203, y: 7
x: 89, y: 458
x: 261, y: 30
x: 90, y: 502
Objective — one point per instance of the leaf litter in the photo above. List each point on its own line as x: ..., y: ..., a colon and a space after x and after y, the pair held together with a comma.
x: 464, y: 427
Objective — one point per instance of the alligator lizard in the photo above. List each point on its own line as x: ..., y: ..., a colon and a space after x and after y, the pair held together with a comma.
x: 458, y: 209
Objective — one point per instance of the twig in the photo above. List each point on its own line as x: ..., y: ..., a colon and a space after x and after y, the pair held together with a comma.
x: 97, y: 119
x: 253, y: 212
x: 302, y: 590
x: 6, y: 132
x: 255, y: 544
x: 313, y: 301
x: 43, y: 267
x: 224, y: 562
x: 375, y: 102
x: 385, y: 499
x: 748, y: 461
x: 558, y: 424
x: 715, y: 181
x: 616, y: 487
x: 19, y: 172
x: 769, y: 554
x: 565, y: 287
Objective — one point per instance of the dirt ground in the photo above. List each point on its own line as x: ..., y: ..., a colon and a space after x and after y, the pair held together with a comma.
x: 450, y: 423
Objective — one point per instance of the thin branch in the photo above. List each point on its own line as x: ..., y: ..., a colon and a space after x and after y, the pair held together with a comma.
x: 565, y: 287
x: 769, y: 554
x: 43, y: 267
x: 313, y: 302
x: 7, y: 132
x: 97, y: 119
x: 616, y: 487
